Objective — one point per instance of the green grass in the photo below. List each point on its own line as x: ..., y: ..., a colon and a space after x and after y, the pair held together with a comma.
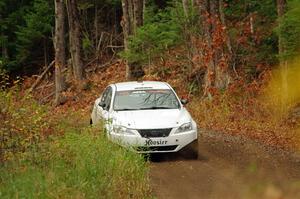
x: 76, y: 165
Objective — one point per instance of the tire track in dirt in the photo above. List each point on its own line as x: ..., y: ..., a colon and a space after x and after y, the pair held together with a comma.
x: 229, y: 167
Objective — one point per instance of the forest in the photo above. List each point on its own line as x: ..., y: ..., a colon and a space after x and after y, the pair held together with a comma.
x: 236, y: 61
x: 221, y: 41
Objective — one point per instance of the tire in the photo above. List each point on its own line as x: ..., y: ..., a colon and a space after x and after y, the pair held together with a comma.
x: 190, y: 151
x: 91, y: 121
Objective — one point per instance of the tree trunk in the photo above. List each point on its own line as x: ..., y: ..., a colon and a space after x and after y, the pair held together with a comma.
x: 59, y: 45
x: 214, y: 36
x: 223, y: 21
x: 4, y: 52
x: 223, y: 56
x: 45, y: 52
x: 131, y: 20
x: 3, y: 46
x: 75, y: 38
x: 96, y: 30
x: 281, y: 9
x: 205, y: 18
x: 125, y: 23
x: 190, y: 45
x: 138, y: 13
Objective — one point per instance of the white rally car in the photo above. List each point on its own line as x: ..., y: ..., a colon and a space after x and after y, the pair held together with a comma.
x: 147, y: 117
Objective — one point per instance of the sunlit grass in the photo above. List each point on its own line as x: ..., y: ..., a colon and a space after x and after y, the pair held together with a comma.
x: 283, y: 91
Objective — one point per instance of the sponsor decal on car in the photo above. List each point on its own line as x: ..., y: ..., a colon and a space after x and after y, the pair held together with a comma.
x: 150, y: 142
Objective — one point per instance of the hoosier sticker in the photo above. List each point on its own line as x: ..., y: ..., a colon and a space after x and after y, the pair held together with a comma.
x: 150, y: 142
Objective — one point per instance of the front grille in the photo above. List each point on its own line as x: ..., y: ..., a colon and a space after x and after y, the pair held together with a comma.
x: 152, y: 133
x: 157, y: 148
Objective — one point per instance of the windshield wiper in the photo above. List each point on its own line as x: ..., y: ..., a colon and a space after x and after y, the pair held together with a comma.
x: 156, y: 107
x: 144, y: 108
x: 126, y: 109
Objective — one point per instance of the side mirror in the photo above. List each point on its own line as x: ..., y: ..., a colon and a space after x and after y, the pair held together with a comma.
x: 184, y: 101
x: 102, y: 104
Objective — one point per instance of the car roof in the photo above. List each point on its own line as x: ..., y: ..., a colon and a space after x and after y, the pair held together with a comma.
x: 140, y: 85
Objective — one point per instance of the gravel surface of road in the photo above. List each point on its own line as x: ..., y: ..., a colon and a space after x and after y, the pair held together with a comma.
x: 228, y: 167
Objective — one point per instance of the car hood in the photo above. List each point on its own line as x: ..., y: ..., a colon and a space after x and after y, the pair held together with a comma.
x: 151, y: 119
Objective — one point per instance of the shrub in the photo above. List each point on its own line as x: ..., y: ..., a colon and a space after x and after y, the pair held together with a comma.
x: 23, y: 122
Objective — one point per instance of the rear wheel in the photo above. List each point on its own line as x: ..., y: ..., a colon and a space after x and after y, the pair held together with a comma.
x: 190, y: 151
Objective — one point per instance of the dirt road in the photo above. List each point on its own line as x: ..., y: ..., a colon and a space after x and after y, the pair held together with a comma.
x: 229, y: 167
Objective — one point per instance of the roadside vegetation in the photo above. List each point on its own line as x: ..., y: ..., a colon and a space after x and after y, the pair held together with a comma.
x: 259, y: 115
x: 51, y: 156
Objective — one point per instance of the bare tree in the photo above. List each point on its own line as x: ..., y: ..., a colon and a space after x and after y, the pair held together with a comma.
x: 131, y: 20
x: 75, y: 37
x: 59, y: 45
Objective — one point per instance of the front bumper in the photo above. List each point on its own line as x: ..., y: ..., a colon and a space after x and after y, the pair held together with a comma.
x: 172, y: 143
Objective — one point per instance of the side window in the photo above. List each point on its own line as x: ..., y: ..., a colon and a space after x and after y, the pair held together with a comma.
x: 104, y: 95
x: 108, y: 99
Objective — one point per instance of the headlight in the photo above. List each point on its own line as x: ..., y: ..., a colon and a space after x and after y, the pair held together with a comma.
x: 122, y: 130
x: 185, y: 127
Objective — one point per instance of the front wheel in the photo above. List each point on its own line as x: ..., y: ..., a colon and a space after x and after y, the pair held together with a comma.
x: 190, y: 151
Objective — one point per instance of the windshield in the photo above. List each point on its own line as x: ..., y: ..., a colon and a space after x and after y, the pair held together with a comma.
x: 145, y: 99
